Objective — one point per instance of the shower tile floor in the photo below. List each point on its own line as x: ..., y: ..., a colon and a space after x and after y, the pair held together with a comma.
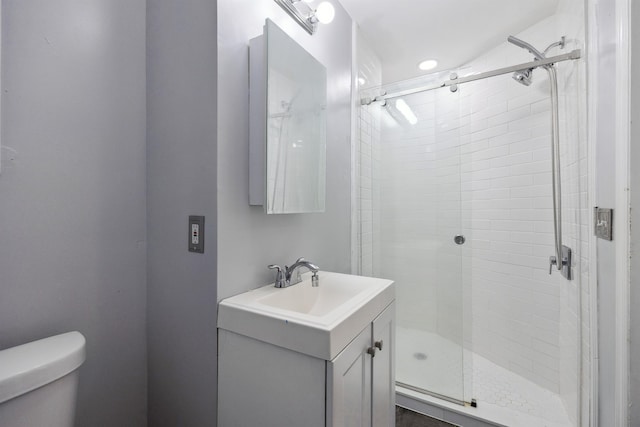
x: 429, y: 361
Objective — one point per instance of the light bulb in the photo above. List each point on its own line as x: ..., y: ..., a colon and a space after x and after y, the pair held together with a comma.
x: 325, y: 12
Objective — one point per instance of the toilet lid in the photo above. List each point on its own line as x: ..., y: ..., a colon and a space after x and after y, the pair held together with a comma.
x: 30, y: 366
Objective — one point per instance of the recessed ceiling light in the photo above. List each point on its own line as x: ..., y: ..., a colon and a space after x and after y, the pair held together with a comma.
x: 427, y: 65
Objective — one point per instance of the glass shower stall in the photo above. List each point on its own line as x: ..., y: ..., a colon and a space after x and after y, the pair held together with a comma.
x: 455, y: 202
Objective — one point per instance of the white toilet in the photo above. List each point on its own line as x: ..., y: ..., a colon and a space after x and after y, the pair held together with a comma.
x: 38, y: 381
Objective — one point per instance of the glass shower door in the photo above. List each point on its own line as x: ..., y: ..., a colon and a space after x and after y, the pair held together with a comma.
x: 417, y: 236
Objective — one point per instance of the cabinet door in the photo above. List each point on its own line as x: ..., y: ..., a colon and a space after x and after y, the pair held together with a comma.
x: 383, y: 379
x: 349, y: 384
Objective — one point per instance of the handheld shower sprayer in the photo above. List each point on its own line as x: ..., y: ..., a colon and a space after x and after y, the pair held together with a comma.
x: 562, y: 258
x: 524, y: 45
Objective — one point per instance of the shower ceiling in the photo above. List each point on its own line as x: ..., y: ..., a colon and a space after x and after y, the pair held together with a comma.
x: 406, y: 32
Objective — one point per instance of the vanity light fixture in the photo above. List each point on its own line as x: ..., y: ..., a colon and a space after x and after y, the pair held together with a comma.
x: 324, y: 13
x: 427, y: 65
x: 305, y: 15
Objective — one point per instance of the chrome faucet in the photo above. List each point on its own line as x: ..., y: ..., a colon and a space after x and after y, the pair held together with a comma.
x: 285, y: 277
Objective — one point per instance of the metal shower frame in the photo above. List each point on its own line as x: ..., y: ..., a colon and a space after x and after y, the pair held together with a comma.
x: 454, y: 80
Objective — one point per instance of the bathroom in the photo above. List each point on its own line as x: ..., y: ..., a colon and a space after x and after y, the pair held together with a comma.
x: 120, y: 119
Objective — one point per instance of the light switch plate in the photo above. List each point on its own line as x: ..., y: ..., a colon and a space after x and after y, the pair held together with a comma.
x: 196, y: 234
x: 603, y: 223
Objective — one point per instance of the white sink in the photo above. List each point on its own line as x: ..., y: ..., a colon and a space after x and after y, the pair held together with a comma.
x: 318, y: 321
x: 336, y: 289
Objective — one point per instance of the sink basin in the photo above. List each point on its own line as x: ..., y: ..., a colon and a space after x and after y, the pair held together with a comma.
x: 318, y: 321
x: 318, y: 300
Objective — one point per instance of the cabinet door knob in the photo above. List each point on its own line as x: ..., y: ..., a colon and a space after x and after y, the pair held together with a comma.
x: 378, y: 344
x: 371, y: 351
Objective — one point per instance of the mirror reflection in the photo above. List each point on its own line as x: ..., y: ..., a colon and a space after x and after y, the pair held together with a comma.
x: 296, y: 126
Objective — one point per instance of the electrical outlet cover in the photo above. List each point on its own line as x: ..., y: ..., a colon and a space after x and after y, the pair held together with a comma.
x: 196, y: 234
x: 603, y: 223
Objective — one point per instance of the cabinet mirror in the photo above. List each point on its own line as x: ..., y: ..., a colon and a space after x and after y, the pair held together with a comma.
x: 288, y: 97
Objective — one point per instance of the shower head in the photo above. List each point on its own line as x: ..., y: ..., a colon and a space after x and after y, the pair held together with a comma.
x: 523, y: 44
x: 524, y: 76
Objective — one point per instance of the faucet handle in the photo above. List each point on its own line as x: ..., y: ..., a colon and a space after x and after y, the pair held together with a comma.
x: 280, y: 280
x: 552, y: 261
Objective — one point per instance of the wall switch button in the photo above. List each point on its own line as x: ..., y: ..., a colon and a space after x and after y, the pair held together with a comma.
x: 196, y: 234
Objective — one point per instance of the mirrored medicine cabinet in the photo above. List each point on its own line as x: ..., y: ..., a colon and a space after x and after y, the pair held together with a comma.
x: 288, y: 106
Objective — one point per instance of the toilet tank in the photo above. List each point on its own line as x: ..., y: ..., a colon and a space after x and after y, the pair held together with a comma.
x: 38, y: 381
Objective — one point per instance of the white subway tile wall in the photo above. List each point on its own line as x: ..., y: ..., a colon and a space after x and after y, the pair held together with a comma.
x: 367, y: 159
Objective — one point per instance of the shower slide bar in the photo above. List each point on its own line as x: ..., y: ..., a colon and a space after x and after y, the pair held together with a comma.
x: 454, y: 80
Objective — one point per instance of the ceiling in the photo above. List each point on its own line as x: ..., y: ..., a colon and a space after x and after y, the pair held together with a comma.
x: 406, y: 32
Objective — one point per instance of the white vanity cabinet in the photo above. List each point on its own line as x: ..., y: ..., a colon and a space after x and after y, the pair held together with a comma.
x: 308, y: 356
x: 360, y: 380
x: 260, y: 384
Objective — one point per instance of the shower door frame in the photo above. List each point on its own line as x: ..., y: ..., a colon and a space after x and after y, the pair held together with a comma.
x: 623, y: 204
x: 618, y: 38
x: 356, y: 261
x: 451, y: 83
x: 621, y: 283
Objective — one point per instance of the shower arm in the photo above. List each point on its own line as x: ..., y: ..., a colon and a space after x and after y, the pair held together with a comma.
x: 561, y: 44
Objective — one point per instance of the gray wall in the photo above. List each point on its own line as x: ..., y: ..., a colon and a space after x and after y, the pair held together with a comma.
x: 72, y: 191
x: 182, y: 62
x: 249, y: 239
x: 181, y: 148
